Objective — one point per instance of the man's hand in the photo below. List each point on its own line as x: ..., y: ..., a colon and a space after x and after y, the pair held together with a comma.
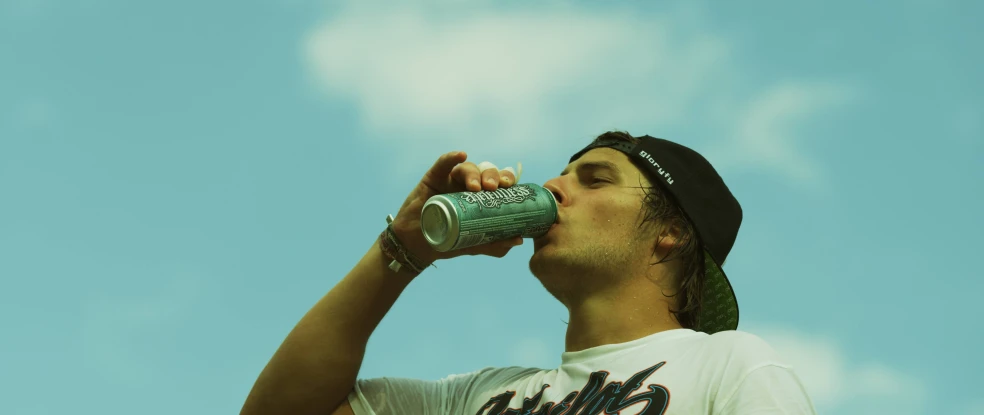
x: 318, y: 363
x: 451, y: 173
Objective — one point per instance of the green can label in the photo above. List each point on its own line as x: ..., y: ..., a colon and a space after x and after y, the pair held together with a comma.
x: 460, y: 220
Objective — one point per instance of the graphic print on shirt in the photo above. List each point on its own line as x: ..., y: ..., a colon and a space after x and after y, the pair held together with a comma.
x: 593, y: 399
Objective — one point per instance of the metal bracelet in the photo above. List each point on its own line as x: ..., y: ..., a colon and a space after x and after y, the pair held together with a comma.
x: 401, y: 257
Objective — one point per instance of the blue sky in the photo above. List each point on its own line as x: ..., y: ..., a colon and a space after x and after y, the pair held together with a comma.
x: 180, y: 181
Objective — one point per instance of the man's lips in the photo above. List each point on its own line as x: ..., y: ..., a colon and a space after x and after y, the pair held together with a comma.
x: 547, y: 233
x: 555, y: 224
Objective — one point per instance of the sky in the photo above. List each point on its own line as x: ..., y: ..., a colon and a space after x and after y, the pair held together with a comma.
x: 180, y: 181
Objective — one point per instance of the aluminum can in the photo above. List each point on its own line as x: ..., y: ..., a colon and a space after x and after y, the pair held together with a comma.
x: 461, y: 220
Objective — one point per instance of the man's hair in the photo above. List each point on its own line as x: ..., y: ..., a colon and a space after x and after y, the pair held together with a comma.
x: 661, y: 210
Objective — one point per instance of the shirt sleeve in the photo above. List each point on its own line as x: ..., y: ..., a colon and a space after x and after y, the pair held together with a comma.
x: 451, y: 395
x: 769, y: 390
x: 390, y: 396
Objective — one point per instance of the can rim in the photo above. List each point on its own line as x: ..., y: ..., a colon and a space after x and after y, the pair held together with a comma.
x: 446, y: 215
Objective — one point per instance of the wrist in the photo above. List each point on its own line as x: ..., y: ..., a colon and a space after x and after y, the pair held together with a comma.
x: 402, y: 273
x: 401, y: 255
x: 412, y: 240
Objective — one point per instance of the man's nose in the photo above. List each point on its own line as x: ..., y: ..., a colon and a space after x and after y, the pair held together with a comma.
x: 558, y: 188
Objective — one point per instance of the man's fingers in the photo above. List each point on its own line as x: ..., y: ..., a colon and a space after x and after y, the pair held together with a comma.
x: 490, y: 175
x: 493, y: 177
x: 485, y: 165
x: 467, y: 174
x: 507, y: 177
x: 490, y: 178
x: 437, y: 175
x: 483, y: 176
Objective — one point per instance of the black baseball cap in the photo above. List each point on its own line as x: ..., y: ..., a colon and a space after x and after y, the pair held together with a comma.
x: 707, y: 202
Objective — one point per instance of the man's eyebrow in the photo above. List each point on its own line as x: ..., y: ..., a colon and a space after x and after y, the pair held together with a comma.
x: 596, y: 165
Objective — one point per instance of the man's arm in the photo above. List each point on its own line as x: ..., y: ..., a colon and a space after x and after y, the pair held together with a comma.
x: 317, y: 364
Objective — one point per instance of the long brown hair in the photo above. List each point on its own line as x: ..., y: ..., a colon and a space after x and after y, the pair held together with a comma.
x: 661, y: 211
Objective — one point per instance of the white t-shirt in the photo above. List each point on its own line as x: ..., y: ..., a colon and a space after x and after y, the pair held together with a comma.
x: 672, y: 372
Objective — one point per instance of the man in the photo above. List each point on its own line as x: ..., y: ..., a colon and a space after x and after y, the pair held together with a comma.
x: 643, y: 228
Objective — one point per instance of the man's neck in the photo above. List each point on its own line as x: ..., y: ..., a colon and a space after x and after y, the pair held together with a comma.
x: 630, y: 313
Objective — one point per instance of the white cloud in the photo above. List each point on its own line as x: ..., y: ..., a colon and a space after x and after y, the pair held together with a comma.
x: 765, y: 132
x: 973, y: 408
x: 877, y: 379
x: 20, y: 9
x: 838, y: 384
x: 968, y: 123
x: 33, y: 114
x: 508, y: 75
x: 532, y: 352
x: 116, y: 328
x: 508, y: 80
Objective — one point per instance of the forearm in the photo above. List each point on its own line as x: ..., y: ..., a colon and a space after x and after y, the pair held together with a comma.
x: 317, y: 364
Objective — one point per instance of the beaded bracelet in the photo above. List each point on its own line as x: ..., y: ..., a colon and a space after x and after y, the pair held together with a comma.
x: 395, y: 251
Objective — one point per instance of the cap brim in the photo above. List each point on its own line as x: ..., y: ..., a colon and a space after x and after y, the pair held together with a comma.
x: 719, y: 311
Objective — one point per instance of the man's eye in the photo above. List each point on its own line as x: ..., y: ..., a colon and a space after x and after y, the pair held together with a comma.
x: 598, y: 180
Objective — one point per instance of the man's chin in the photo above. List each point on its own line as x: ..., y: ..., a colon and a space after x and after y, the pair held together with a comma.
x: 544, y: 258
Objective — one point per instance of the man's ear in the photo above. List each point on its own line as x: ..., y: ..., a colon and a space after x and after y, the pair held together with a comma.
x: 668, y: 237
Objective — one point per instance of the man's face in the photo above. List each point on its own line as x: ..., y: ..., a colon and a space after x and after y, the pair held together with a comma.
x: 597, y: 239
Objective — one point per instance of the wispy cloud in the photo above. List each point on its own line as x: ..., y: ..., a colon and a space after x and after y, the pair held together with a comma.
x: 508, y: 76
x: 33, y: 114
x: 839, y: 384
x: 972, y: 408
x: 116, y: 328
x: 532, y: 352
x: 968, y: 125
x: 508, y: 80
x: 766, y: 134
x: 17, y: 10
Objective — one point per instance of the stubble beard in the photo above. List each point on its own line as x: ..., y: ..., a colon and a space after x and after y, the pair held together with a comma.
x: 574, y: 272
